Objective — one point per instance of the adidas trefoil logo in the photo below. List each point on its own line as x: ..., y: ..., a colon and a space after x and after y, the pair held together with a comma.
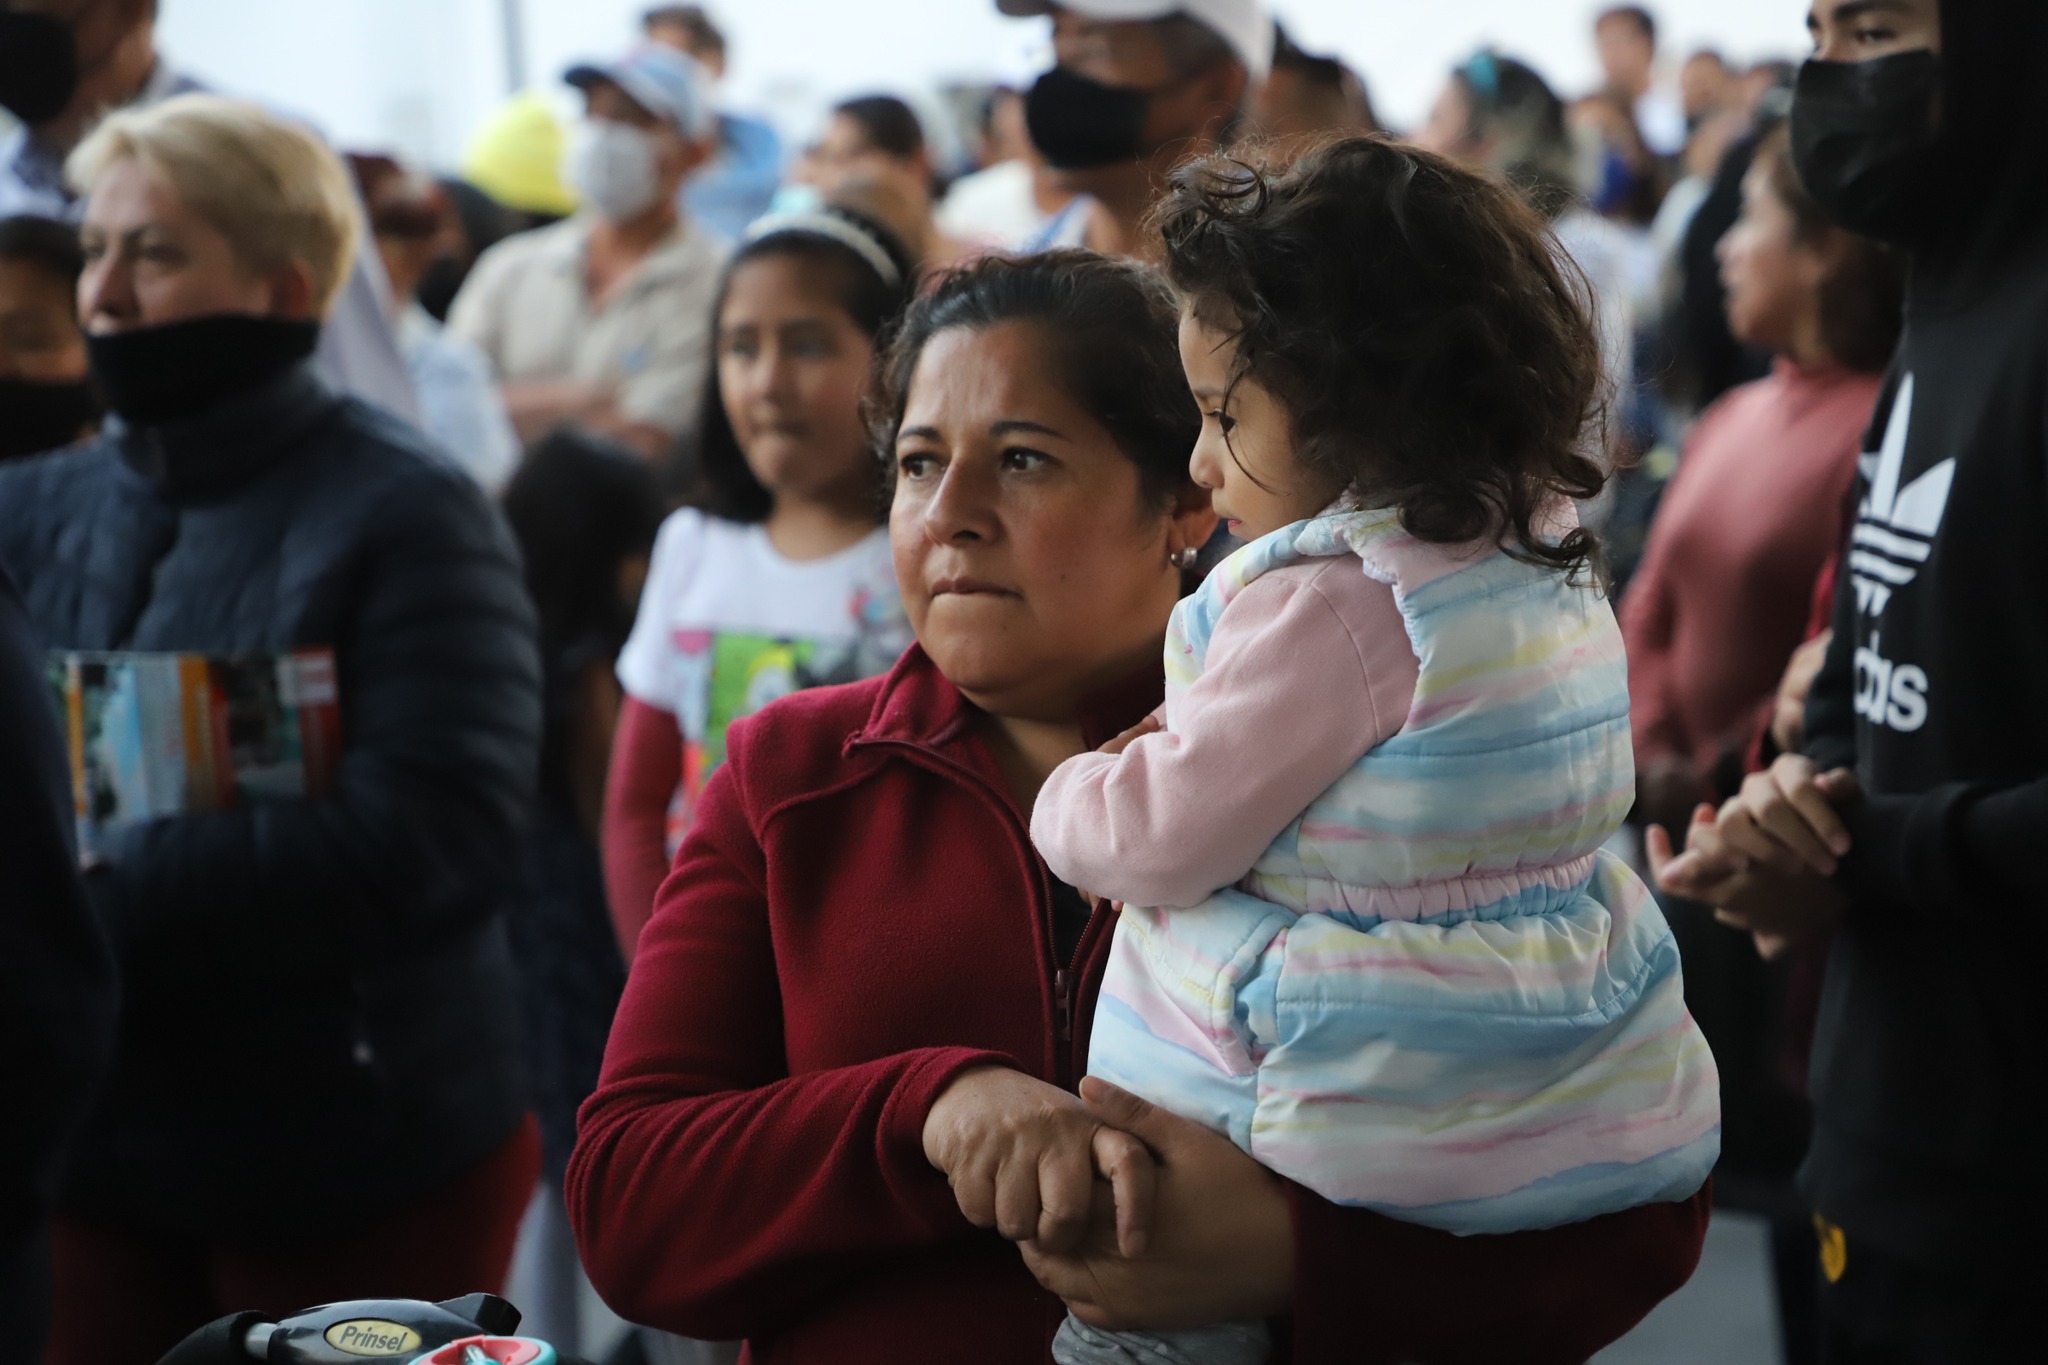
x: 1895, y: 528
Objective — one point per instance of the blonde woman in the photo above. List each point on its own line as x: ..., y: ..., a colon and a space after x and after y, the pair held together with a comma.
x: 315, y: 1093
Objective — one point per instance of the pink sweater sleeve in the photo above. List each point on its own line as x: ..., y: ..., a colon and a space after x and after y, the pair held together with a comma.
x: 1310, y: 667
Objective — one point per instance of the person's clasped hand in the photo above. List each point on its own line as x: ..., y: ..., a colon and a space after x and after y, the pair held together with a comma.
x: 1764, y: 860
x: 1220, y: 1239
x: 1788, y: 711
x: 1022, y: 1157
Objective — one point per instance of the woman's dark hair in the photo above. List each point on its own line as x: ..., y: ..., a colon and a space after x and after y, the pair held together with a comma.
x: 1110, y: 330
x: 725, y: 486
x: 888, y: 123
x: 1429, y: 341
x: 1862, y: 300
x: 48, y: 245
x: 1514, y: 109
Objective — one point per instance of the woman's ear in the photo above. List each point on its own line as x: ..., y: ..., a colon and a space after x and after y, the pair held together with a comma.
x: 291, y: 292
x: 1194, y: 519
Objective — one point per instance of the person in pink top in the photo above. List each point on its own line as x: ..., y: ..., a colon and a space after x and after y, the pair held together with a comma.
x: 1759, y: 502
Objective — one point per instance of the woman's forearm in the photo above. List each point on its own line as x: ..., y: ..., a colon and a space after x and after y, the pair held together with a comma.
x: 713, y: 1193
x: 1552, y: 1296
x: 714, y: 1215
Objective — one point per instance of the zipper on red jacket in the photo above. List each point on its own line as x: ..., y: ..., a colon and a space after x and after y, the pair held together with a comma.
x: 1068, y: 982
x: 1006, y: 809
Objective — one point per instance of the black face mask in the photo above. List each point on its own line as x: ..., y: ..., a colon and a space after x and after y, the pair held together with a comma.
x: 37, y: 416
x: 439, y: 283
x: 1865, y: 142
x: 38, y: 66
x: 158, y: 374
x: 1078, y: 124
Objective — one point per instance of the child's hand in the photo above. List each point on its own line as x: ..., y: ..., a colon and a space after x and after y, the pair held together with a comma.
x: 1022, y: 1156
x: 1148, y: 726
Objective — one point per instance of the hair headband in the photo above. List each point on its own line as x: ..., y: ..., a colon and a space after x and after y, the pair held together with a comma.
x: 841, y: 230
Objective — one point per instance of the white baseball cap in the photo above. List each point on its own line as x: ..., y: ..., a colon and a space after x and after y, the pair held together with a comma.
x: 1244, y: 24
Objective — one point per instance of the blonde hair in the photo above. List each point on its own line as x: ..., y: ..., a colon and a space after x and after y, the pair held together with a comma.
x: 271, y: 187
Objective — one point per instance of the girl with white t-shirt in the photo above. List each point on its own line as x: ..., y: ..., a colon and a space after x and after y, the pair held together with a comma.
x: 780, y: 579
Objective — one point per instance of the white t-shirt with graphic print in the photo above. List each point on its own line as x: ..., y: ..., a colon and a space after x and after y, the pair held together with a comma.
x: 727, y: 624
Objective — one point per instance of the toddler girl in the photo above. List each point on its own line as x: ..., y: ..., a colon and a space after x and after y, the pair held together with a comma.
x: 1395, y: 737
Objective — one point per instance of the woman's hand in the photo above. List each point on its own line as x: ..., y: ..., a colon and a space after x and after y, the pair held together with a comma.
x: 1022, y: 1155
x: 1222, y: 1240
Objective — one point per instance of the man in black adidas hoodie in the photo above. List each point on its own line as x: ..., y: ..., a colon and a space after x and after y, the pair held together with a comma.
x: 1916, y: 820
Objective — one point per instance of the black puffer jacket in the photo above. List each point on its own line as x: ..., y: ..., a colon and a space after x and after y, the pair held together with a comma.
x: 315, y: 1016
x: 56, y: 978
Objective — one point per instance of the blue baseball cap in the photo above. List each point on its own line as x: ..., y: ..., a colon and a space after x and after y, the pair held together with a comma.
x: 661, y: 80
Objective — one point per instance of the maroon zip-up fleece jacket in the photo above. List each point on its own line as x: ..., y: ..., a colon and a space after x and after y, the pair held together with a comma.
x: 858, y: 916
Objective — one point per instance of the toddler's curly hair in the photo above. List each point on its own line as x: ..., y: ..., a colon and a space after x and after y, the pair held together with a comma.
x: 1431, y: 343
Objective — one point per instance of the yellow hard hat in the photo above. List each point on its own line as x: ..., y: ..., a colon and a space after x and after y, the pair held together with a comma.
x: 516, y: 157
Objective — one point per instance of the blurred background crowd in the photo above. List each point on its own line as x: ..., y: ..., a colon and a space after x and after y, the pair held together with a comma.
x: 554, y: 200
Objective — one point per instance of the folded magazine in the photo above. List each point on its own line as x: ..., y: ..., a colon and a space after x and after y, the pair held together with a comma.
x: 155, y: 735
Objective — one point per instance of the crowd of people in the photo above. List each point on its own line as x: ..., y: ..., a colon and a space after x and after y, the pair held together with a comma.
x: 1202, y: 732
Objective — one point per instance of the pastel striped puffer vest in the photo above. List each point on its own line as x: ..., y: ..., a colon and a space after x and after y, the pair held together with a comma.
x: 1435, y: 995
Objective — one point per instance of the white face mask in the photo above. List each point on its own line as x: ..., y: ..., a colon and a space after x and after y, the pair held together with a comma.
x: 614, y: 166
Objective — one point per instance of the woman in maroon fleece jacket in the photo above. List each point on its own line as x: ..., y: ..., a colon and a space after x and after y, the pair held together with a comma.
x: 843, y: 1071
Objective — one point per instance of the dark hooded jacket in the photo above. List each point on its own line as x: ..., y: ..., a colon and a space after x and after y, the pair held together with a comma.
x: 1928, y: 1053
x: 315, y: 1016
